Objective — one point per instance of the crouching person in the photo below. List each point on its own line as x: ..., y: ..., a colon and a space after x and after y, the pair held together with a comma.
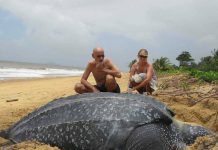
x: 142, y: 76
x: 104, y: 72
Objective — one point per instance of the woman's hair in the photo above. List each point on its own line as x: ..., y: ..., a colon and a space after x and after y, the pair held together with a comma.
x: 143, y: 50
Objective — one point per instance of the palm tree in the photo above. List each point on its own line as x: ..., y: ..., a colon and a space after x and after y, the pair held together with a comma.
x: 209, y: 62
x: 162, y: 64
x: 131, y: 63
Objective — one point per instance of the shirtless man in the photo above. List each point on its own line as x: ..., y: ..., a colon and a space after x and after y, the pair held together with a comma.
x: 104, y: 72
x: 142, y: 76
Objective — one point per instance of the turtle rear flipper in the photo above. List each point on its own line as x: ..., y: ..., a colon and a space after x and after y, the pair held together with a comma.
x: 152, y: 136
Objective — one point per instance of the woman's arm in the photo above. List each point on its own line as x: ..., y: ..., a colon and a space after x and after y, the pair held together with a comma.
x: 148, y: 78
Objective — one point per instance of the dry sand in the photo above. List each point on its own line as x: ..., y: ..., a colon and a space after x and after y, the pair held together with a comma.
x: 179, y: 92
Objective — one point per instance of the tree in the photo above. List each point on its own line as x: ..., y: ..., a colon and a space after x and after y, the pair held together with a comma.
x: 215, y: 56
x: 131, y: 63
x: 162, y: 64
x: 209, y: 62
x: 185, y: 59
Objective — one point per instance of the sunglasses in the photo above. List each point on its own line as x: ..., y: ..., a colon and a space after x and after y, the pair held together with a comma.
x: 99, y: 56
x: 143, y: 56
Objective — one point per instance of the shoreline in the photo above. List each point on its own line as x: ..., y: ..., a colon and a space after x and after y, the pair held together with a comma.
x: 35, y: 78
x: 31, y: 93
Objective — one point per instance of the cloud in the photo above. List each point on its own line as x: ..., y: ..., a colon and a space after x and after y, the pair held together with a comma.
x: 68, y: 30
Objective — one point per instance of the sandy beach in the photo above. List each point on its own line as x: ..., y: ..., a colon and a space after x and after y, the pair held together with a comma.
x: 20, y: 97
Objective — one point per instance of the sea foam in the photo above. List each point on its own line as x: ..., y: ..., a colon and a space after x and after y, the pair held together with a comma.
x: 16, y: 73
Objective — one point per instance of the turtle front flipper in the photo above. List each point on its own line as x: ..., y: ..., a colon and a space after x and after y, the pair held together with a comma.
x: 9, y: 142
x: 191, y: 132
x: 4, y: 134
x: 153, y: 136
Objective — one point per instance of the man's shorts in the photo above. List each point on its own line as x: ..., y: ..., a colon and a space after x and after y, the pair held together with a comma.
x: 103, y: 88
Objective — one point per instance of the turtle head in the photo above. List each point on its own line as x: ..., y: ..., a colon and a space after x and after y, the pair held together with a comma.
x: 190, y: 132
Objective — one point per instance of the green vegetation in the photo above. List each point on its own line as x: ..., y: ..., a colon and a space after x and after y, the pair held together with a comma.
x: 208, y: 76
x: 206, y: 69
x: 209, y: 63
x: 185, y: 86
x: 131, y: 63
x: 185, y: 59
x: 162, y: 64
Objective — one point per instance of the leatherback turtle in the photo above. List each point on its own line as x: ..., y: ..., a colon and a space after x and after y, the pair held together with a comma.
x: 103, y: 121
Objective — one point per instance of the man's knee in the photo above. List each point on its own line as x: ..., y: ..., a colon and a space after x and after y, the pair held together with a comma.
x: 111, y: 83
x: 79, y: 88
x: 110, y: 79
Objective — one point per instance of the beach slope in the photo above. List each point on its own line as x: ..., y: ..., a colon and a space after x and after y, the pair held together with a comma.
x: 20, y: 97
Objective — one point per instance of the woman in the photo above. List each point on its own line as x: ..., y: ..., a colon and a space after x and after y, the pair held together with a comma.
x: 142, y: 76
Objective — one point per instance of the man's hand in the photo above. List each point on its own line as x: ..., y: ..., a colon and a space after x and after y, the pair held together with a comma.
x: 95, y: 90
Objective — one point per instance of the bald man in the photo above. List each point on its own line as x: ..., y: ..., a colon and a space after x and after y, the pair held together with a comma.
x: 104, y: 72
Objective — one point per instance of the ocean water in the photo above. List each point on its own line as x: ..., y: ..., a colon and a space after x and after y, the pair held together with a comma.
x: 19, y: 73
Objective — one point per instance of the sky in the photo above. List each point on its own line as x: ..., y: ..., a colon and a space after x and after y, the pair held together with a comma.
x: 64, y: 32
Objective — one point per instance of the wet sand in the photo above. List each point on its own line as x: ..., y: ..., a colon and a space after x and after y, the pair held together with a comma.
x: 179, y: 92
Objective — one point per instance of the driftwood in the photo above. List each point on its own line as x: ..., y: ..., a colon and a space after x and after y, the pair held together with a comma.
x: 209, y: 96
x: 176, y: 93
x: 12, y: 100
x: 213, y: 91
